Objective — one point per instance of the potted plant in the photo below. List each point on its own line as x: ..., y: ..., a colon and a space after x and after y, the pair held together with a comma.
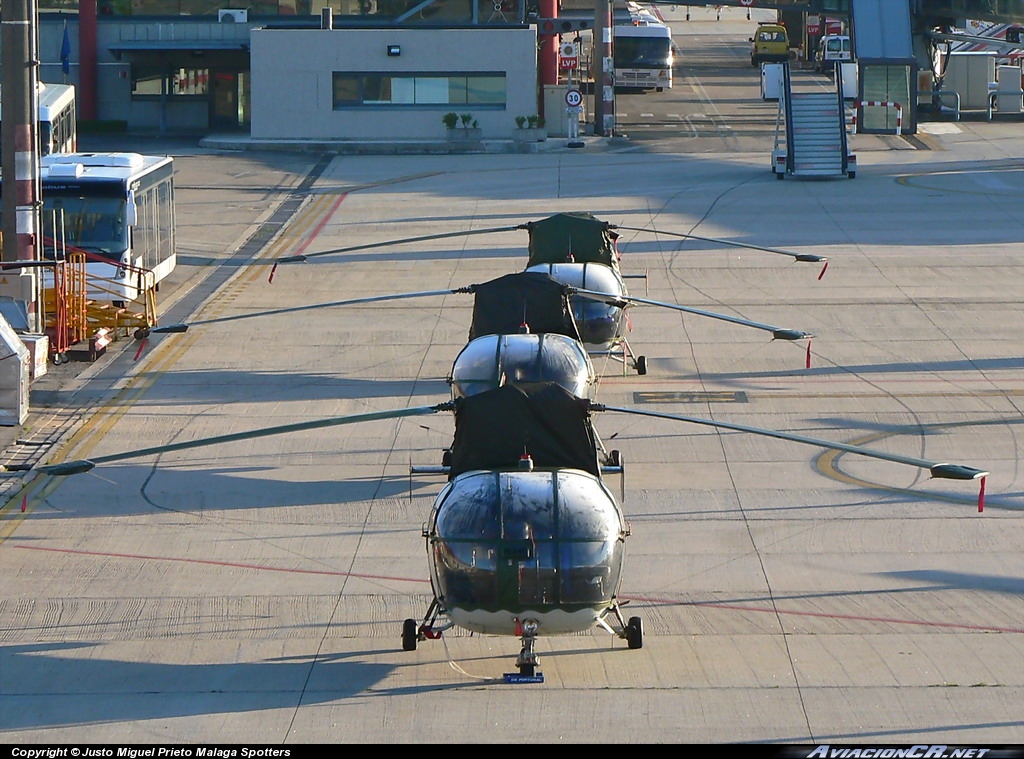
x: 530, y: 129
x: 469, y: 129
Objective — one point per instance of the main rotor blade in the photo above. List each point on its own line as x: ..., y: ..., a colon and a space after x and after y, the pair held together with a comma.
x: 84, y: 465
x: 778, y: 333
x: 798, y: 256
x: 938, y: 470
x: 306, y: 256
x: 309, y: 307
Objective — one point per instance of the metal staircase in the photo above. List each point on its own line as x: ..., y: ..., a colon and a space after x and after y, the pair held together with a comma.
x: 810, y: 133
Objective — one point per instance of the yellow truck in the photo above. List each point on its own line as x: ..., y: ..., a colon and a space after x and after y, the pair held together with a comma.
x: 770, y: 43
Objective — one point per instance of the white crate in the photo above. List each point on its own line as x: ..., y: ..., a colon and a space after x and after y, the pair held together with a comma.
x: 39, y: 353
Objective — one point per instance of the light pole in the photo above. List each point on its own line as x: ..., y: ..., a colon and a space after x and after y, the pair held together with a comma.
x: 19, y: 147
x: 604, y: 81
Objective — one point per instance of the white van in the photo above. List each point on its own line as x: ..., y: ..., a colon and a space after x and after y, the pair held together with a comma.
x: 832, y: 49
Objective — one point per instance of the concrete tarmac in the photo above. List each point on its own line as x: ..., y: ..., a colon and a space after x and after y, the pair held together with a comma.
x: 254, y: 593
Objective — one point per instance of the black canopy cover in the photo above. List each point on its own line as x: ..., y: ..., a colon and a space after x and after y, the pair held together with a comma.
x: 495, y: 428
x: 502, y: 305
x: 576, y: 237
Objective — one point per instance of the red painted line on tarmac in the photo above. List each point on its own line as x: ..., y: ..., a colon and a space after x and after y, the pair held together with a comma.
x: 320, y: 225
x: 209, y: 562
x: 640, y: 599
x: 827, y: 615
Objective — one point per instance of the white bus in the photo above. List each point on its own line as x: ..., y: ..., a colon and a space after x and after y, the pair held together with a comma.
x: 643, y: 56
x: 117, y: 209
x: 58, y: 121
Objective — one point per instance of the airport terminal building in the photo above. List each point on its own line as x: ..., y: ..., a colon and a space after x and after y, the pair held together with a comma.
x: 347, y: 69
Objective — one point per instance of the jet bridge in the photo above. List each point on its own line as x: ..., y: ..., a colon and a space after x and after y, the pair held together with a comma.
x: 883, y: 46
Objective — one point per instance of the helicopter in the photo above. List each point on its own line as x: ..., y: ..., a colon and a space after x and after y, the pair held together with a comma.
x: 524, y: 326
x: 580, y: 252
x: 525, y: 539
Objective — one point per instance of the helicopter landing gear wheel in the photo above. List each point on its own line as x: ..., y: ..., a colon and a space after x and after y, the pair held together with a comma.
x: 526, y: 662
x: 410, y: 635
x: 641, y: 365
x: 615, y: 457
x: 635, y: 633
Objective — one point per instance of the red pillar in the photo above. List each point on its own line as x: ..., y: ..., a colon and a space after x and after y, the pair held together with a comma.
x: 547, y: 58
x: 549, y: 46
x: 87, y: 98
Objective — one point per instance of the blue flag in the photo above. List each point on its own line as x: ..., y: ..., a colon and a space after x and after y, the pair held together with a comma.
x: 65, y: 52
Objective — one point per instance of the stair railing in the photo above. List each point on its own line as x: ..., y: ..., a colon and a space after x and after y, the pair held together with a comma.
x: 787, y: 91
x: 838, y: 77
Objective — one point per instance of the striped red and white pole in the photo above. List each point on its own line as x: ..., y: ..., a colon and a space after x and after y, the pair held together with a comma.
x: 880, y: 104
x: 26, y: 180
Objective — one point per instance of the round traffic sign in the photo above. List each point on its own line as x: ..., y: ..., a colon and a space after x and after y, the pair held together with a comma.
x: 746, y: 2
x: 573, y: 98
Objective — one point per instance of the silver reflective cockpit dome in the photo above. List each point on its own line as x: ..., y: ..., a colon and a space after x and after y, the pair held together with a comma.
x: 493, y: 360
x: 502, y: 539
x: 599, y: 323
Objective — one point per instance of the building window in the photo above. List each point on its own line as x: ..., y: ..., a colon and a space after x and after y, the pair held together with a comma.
x: 361, y: 90
x: 176, y: 82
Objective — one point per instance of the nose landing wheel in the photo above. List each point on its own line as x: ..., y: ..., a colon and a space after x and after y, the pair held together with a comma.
x: 526, y: 662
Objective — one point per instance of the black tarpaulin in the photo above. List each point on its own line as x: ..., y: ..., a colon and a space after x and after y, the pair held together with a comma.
x: 572, y: 237
x: 503, y: 305
x: 495, y: 428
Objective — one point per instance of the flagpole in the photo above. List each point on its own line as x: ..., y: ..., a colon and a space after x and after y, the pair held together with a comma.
x: 65, y: 53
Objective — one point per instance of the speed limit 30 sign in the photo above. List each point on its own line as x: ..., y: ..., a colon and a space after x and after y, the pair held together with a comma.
x: 573, y: 98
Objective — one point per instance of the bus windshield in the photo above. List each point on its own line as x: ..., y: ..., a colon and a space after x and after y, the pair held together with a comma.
x: 642, y: 51
x: 96, y: 225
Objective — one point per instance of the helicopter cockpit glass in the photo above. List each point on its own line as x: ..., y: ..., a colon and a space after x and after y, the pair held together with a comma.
x: 465, y: 561
x: 489, y: 361
x: 591, y: 548
x: 558, y: 540
x: 476, y: 367
x: 599, y: 323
